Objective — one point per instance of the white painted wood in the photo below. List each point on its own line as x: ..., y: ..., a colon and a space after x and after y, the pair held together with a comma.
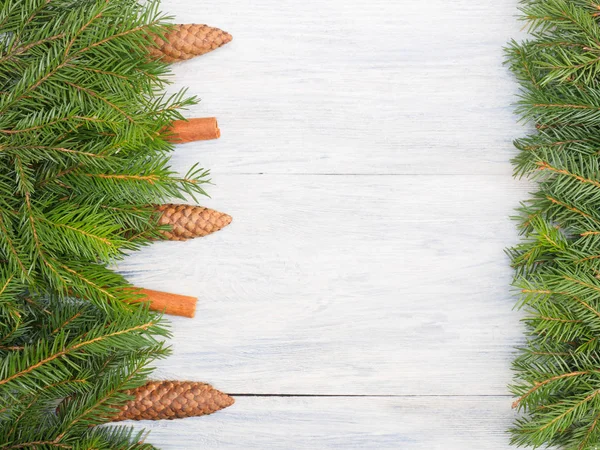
x: 276, y: 423
x: 368, y: 259
x: 359, y: 86
x: 346, y: 285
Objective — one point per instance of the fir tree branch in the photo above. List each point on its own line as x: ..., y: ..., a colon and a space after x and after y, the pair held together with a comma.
x: 83, y: 159
x: 74, y: 348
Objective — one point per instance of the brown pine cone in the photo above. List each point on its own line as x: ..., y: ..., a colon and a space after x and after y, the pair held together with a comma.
x: 158, y: 400
x: 189, y: 221
x: 189, y: 40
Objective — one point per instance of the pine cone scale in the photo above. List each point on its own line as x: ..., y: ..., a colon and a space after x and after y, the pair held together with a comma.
x: 189, y: 40
x: 158, y: 400
x: 188, y: 221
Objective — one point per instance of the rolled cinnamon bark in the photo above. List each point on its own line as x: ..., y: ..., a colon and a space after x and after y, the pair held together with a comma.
x: 167, y: 303
x: 198, y: 129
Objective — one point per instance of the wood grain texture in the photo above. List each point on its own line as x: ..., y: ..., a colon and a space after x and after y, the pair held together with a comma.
x: 343, y: 423
x: 360, y: 86
x: 345, y: 285
x: 364, y: 158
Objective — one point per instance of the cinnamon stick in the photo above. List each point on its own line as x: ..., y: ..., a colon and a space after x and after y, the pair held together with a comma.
x: 167, y: 303
x: 198, y: 129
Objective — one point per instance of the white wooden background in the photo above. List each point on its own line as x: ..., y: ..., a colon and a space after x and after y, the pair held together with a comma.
x: 360, y: 298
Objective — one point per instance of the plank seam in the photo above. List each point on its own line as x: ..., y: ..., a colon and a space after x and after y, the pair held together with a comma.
x: 377, y: 395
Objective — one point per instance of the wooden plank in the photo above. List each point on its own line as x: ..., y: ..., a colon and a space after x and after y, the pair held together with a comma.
x: 346, y: 285
x: 363, y: 86
x: 344, y: 423
x: 349, y: 284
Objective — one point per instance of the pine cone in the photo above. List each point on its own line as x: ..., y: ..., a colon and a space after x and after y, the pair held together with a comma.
x: 186, y: 41
x: 158, y: 400
x: 189, y: 221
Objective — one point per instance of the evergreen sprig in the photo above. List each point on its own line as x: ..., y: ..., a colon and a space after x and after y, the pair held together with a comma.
x: 83, y: 162
x: 82, y: 158
x: 558, y: 260
x: 66, y: 370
